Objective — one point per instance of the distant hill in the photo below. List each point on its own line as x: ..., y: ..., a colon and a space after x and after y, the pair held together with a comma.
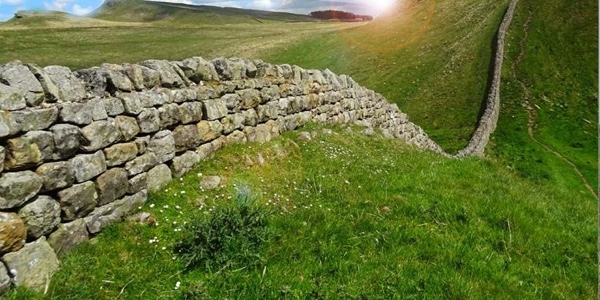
x: 149, y: 11
x: 339, y: 15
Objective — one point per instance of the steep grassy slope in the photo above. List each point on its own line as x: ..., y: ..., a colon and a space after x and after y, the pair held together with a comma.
x: 430, y: 57
x: 149, y: 11
x: 552, y: 63
x: 353, y: 217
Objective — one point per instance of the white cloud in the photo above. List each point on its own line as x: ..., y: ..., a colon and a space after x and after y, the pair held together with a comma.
x: 11, y: 2
x: 59, y: 5
x: 261, y: 4
x: 80, y: 11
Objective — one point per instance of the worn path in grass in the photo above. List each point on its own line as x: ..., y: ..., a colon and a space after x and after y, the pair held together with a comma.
x: 531, y: 111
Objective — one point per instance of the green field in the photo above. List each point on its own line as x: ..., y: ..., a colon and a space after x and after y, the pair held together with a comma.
x: 358, y: 217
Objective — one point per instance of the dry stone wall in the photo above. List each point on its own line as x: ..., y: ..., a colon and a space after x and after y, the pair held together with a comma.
x: 489, y: 119
x: 79, y: 150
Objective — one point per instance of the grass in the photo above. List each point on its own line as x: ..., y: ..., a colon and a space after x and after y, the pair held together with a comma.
x: 430, y: 57
x: 144, y: 11
x: 559, y: 70
x: 359, y: 217
x: 400, y: 224
x: 120, y: 43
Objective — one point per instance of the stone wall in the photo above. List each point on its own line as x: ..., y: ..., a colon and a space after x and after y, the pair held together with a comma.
x: 79, y: 150
x: 489, y: 119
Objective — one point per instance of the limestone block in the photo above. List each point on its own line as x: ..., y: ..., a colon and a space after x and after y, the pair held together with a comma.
x: 163, y: 145
x: 116, y: 79
x: 250, y: 133
x: 51, y: 92
x: 208, y: 131
x: 8, y: 124
x: 149, y: 120
x: 18, y: 76
x: 127, y: 126
x: 236, y: 137
x: 76, y: 113
x: 44, y: 141
x: 56, y: 175
x: 232, y: 101
x: 111, y: 185
x: 190, y: 112
x: 136, y: 76
x: 168, y: 76
x: 5, y: 282
x: 186, y: 137
x: 183, y: 163
x: 262, y: 134
x: 210, y: 182
x: 17, y: 188
x: 151, y: 77
x: 68, y: 236
x: 88, y: 166
x: 205, y: 151
x: 214, y: 109
x: 36, y: 119
x: 66, y: 140
x: 78, y: 201
x: 250, y: 98
x: 158, y: 177
x: 169, y: 115
x: 22, y: 153
x: 13, y: 232
x: 131, y: 103
x: 70, y: 88
x: 197, y: 69
x: 98, y: 110
x: 33, y: 265
x: 141, y: 164
x: 232, y: 122
x: 269, y: 111
x: 2, y: 157
x: 251, y: 69
x: 11, y: 98
x: 154, y: 97
x: 229, y: 69
x: 113, y: 106
x: 40, y: 216
x: 142, y: 143
x: 100, y: 134
x: 120, y: 153
x: 206, y: 93
x: 137, y: 183
x: 250, y: 117
x: 94, y: 79
x: 269, y: 93
x: 184, y: 95
x: 113, y: 212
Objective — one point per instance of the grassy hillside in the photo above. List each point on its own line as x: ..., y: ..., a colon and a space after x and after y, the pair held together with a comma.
x: 399, y: 224
x: 356, y: 217
x: 553, y: 52
x: 430, y: 57
x: 149, y: 11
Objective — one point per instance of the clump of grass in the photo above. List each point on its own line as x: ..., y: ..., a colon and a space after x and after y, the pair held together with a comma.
x: 231, y: 237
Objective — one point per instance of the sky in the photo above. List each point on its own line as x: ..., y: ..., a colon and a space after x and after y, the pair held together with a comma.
x: 83, y: 7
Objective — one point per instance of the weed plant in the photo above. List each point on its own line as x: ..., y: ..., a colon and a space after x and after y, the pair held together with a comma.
x: 230, y: 237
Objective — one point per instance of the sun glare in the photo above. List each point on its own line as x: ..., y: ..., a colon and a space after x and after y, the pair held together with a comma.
x: 383, y: 5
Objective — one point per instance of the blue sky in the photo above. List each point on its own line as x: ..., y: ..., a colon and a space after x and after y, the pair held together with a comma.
x: 82, y: 7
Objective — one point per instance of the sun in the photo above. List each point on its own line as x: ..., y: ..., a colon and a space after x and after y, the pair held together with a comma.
x: 383, y: 5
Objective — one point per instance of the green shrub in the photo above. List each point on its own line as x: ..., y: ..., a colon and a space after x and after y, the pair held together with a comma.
x: 230, y: 237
